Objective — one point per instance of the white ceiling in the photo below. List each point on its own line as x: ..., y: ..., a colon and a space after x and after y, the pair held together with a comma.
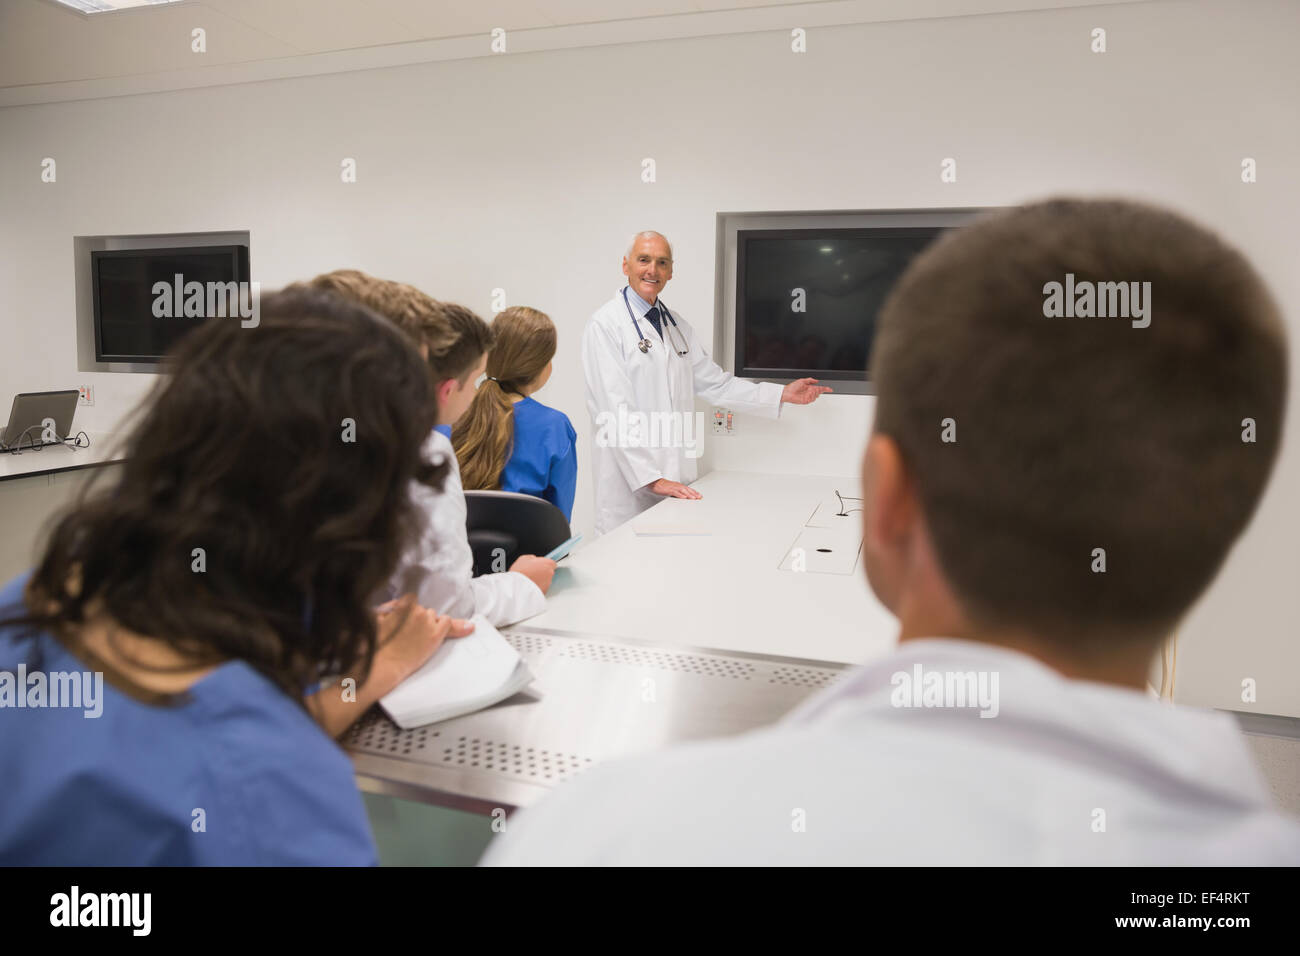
x: 42, y: 42
x: 49, y: 52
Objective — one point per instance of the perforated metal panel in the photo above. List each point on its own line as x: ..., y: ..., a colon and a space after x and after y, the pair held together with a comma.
x: 593, y: 699
x: 660, y: 660
x: 814, y: 677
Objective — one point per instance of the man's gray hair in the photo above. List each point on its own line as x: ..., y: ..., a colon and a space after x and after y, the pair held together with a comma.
x: 649, y: 234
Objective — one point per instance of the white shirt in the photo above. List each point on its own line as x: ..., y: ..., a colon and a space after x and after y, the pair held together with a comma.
x: 851, y: 779
x: 623, y: 381
x: 439, y: 565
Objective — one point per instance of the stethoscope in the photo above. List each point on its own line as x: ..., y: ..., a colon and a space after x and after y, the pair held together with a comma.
x: 644, y: 343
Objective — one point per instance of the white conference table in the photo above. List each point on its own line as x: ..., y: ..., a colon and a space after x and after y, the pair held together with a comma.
x: 37, y: 484
x: 688, y: 601
x: 707, y: 573
x: 53, y: 459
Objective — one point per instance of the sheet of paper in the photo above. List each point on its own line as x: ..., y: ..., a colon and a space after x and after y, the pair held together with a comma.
x: 465, y: 674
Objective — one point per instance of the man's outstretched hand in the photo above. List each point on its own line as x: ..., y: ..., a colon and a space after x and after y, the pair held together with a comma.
x: 803, y: 391
x: 673, y: 489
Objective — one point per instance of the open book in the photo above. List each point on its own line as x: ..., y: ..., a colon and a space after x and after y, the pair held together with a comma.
x: 464, y: 675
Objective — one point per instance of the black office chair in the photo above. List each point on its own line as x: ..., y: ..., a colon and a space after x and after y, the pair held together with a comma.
x: 505, y: 521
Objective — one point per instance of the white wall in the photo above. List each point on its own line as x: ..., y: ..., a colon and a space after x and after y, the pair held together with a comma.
x: 522, y: 171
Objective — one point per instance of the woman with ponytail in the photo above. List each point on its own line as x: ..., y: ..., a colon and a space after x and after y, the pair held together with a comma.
x: 507, y: 441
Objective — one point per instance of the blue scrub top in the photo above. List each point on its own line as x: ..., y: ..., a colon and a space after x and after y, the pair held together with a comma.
x: 122, y: 788
x: 544, y: 461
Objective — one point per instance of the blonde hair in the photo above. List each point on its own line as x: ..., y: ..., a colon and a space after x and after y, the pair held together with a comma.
x: 524, y: 341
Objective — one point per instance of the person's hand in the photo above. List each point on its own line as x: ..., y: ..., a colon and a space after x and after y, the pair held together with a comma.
x: 674, y: 489
x: 538, y: 570
x: 408, y: 636
x: 803, y: 391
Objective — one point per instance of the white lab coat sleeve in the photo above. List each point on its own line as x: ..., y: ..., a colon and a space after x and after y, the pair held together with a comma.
x: 439, y: 566
x: 719, y: 387
x: 608, y: 387
x: 506, y: 597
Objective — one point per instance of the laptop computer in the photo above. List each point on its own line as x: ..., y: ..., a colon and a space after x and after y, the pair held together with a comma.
x: 30, y: 409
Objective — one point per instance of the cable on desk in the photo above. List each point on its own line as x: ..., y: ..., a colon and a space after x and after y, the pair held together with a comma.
x: 842, y: 513
x: 80, y: 440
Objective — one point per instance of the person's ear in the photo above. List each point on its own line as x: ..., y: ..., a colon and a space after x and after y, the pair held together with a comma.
x: 444, y: 390
x: 889, y: 516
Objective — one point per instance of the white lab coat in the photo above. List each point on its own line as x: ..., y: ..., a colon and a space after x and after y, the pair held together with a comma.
x: 851, y: 779
x: 439, y: 566
x: 620, y: 375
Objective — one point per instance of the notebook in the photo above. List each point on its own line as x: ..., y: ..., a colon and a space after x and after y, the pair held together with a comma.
x: 465, y: 674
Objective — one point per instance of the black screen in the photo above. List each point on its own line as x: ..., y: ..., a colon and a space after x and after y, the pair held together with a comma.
x: 126, y: 328
x: 845, y: 276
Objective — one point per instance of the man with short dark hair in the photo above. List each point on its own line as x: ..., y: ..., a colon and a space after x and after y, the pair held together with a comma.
x: 1047, y: 492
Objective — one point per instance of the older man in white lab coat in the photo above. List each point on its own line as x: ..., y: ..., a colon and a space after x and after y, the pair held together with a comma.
x: 644, y: 367
x: 1012, y: 724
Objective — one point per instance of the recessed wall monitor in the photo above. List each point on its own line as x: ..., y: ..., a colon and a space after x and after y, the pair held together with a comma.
x: 807, y: 300
x: 126, y: 326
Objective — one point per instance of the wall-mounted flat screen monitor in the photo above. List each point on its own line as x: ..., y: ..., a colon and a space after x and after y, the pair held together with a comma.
x: 128, y: 323
x: 807, y: 300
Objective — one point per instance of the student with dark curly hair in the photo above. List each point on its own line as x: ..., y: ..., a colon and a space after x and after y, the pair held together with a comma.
x: 263, y: 503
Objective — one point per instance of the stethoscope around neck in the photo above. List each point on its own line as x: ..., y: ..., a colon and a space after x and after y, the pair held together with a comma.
x: 644, y: 343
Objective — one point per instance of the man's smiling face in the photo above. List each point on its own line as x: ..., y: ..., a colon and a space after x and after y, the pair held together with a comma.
x: 648, y: 267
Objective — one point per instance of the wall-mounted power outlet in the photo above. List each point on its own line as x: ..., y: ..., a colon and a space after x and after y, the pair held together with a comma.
x: 723, y: 423
x: 86, y: 395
